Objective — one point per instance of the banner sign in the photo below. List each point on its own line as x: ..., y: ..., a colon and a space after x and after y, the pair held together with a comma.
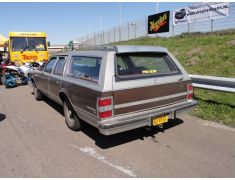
x: 201, y: 12
x: 159, y: 23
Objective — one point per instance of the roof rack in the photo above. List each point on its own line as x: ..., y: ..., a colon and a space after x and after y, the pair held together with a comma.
x: 96, y: 48
x: 119, y: 49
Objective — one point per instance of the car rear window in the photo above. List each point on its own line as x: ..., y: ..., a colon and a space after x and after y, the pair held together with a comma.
x: 86, y: 68
x: 144, y: 64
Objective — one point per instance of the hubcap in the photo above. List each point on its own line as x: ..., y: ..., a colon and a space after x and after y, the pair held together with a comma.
x: 69, y: 113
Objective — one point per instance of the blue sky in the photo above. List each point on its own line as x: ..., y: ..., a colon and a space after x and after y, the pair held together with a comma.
x: 66, y: 21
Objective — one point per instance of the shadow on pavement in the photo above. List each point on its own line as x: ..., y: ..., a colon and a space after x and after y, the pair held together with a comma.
x: 106, y: 142
x: 54, y: 105
x: 2, y: 117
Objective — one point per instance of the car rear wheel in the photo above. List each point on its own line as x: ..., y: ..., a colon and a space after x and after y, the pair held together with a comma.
x: 71, y: 117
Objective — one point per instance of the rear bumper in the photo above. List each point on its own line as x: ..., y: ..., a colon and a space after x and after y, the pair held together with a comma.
x: 140, y: 119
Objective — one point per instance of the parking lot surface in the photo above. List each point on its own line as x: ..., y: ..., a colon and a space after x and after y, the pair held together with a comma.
x: 35, y: 142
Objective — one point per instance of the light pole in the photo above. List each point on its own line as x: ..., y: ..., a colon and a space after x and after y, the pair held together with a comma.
x: 128, y: 30
x: 120, y: 21
x: 89, y: 28
x: 100, y: 23
x: 120, y: 14
x: 157, y: 9
x: 101, y: 38
x: 134, y: 24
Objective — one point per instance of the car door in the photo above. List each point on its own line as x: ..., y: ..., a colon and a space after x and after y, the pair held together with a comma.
x: 83, y: 74
x: 46, y: 74
x: 56, y: 78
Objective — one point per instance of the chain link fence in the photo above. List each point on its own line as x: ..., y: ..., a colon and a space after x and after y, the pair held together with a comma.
x: 137, y: 29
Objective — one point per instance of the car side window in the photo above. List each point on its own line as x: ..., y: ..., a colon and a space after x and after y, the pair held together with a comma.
x: 86, y: 68
x: 49, y: 66
x: 59, y: 67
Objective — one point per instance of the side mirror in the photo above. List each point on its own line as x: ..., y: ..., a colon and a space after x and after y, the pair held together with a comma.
x: 48, y: 44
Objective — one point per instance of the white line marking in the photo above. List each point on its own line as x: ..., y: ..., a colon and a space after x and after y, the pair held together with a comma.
x: 22, y: 119
x: 91, y: 152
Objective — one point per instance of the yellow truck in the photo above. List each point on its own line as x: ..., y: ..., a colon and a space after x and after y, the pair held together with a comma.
x: 27, y: 47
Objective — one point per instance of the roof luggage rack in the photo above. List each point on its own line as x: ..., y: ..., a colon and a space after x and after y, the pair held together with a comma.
x: 97, y: 48
x: 119, y: 49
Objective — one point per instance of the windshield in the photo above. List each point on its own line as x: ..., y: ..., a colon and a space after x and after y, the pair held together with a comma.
x: 19, y: 43
x: 28, y: 44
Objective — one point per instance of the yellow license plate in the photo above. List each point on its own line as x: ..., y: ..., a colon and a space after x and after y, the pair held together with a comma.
x: 159, y: 120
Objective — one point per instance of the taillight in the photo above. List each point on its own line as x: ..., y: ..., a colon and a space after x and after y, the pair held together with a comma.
x: 190, y: 87
x: 190, y: 96
x: 190, y: 91
x: 105, y: 114
x: 105, y: 107
x: 104, y: 102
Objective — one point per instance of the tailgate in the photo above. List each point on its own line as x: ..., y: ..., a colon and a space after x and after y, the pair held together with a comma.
x: 145, y: 81
x: 139, y: 99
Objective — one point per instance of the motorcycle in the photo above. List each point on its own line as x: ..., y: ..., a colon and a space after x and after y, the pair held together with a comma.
x: 12, y: 76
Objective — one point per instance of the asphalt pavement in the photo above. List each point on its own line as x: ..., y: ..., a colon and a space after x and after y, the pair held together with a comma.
x: 35, y: 142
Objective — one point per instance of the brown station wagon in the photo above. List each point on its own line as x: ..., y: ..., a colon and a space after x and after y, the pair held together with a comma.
x: 116, y: 89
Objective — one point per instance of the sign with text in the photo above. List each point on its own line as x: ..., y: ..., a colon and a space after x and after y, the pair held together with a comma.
x: 201, y: 12
x: 159, y: 23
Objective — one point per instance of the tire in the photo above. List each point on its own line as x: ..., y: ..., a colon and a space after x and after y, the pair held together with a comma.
x: 71, y: 117
x: 37, y: 94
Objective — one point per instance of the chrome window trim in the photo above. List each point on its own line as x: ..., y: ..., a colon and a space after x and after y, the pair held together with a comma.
x: 53, y: 57
x: 56, y: 74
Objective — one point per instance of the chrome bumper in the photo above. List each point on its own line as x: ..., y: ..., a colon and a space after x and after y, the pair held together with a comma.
x: 140, y: 119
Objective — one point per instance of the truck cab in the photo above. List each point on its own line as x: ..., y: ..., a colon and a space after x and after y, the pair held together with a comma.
x: 27, y: 47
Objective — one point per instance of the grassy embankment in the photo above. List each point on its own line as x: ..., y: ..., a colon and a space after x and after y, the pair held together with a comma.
x: 204, y: 54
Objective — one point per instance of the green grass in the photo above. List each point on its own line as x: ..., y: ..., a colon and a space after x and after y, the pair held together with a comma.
x: 204, y: 54
x: 215, y: 106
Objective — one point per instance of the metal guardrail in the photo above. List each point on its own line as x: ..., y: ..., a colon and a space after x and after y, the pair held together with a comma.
x: 213, y: 83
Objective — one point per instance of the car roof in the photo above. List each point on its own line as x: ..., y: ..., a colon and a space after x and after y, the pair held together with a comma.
x: 82, y: 53
x: 103, y: 50
x: 135, y: 48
